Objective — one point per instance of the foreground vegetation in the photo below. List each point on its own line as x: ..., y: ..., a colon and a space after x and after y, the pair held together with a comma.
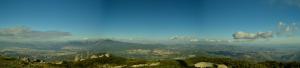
x: 119, y: 62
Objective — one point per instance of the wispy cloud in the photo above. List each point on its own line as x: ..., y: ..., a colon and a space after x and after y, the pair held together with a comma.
x: 184, y: 38
x: 284, y: 29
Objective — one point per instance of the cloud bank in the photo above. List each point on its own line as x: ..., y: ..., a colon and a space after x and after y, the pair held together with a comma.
x: 253, y: 36
x: 283, y: 29
x: 25, y: 33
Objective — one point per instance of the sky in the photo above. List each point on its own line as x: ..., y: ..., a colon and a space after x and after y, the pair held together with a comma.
x: 157, y: 19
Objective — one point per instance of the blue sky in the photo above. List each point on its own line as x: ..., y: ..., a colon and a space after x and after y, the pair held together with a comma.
x: 149, y: 18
